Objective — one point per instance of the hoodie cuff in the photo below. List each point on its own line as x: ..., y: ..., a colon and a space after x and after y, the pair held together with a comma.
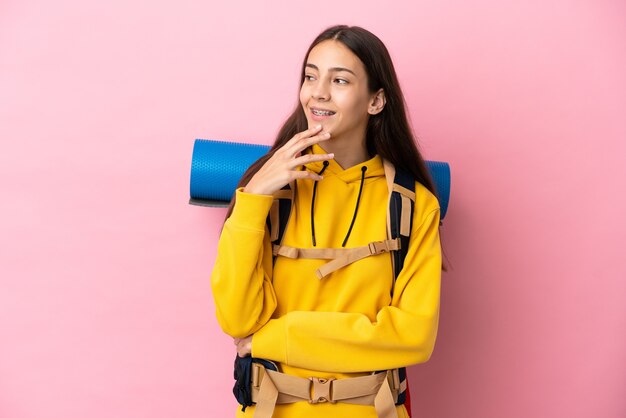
x: 251, y: 210
x: 270, y: 342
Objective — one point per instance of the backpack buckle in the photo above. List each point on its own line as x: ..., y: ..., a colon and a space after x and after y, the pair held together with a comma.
x: 378, y: 247
x: 322, y: 390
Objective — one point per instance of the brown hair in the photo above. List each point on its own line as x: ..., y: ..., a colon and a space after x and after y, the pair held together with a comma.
x: 388, y: 132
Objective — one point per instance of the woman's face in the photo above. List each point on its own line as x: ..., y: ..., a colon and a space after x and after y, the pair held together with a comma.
x: 335, y: 92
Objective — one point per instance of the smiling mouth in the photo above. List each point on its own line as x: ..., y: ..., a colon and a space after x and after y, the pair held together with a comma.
x: 318, y: 112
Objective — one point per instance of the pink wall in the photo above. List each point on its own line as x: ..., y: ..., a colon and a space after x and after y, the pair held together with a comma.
x: 105, y: 305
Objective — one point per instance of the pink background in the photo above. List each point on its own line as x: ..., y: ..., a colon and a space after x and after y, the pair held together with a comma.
x: 105, y: 303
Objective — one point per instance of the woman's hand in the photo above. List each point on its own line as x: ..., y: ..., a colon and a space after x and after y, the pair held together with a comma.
x: 282, y: 168
x: 244, y: 346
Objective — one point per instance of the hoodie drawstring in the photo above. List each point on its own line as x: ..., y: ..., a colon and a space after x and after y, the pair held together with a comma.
x: 326, y: 163
x: 356, y: 208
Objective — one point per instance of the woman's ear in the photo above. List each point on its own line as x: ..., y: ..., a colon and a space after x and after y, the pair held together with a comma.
x: 377, y: 103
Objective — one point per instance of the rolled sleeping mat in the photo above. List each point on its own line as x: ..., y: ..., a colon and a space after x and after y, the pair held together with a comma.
x: 217, y: 166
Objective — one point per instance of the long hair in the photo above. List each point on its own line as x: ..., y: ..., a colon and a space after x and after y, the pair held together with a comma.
x: 388, y: 132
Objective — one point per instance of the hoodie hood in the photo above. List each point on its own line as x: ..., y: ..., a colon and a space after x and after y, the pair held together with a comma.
x: 372, y: 168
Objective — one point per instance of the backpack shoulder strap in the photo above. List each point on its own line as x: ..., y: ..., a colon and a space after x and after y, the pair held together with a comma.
x: 279, y: 213
x: 400, y: 211
x: 399, y: 224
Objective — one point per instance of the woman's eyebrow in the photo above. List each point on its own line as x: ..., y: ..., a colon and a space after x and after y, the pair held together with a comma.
x: 334, y: 69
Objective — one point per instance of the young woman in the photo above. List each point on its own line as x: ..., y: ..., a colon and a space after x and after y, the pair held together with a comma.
x: 281, y: 303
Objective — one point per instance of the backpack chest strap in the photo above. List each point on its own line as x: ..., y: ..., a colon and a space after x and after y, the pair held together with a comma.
x: 340, y: 257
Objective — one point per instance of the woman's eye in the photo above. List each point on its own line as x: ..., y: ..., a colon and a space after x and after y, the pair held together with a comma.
x: 308, y: 77
x: 341, y: 81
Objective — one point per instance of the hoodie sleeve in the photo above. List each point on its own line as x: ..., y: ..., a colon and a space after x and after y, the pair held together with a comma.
x: 241, y: 280
x: 404, y: 332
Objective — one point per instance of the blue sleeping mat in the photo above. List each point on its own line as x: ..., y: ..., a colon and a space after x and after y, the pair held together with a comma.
x: 217, y: 166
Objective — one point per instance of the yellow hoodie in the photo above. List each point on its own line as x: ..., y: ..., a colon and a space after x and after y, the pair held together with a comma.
x: 348, y: 323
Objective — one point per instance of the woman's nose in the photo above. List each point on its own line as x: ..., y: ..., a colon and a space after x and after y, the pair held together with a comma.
x: 321, y: 91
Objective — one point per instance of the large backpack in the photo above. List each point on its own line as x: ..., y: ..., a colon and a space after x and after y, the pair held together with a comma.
x: 399, y: 224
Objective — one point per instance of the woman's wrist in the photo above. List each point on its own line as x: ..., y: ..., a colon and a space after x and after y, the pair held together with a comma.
x: 255, y: 190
